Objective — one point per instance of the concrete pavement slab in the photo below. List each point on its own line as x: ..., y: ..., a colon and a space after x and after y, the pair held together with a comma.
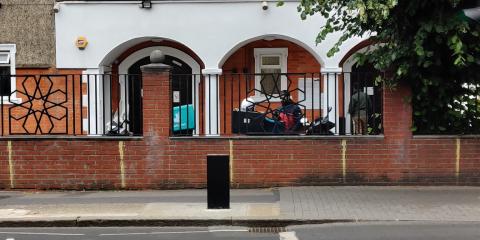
x: 381, y: 203
x: 307, y: 204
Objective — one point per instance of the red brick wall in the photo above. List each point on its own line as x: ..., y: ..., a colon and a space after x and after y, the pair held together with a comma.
x: 159, y: 162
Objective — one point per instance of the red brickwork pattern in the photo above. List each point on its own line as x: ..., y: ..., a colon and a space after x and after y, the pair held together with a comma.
x: 162, y: 163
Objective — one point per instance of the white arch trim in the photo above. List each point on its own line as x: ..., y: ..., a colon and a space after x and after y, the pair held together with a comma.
x: 145, y: 52
x: 270, y: 37
x: 348, y: 64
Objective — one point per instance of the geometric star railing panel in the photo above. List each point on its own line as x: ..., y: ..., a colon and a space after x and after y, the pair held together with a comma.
x: 71, y: 104
x: 268, y: 104
x: 43, y: 108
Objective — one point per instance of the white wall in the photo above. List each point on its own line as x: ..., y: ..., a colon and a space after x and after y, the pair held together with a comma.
x: 211, y: 30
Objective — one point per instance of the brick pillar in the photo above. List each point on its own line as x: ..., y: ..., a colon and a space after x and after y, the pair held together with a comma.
x: 157, y: 106
x: 397, y: 112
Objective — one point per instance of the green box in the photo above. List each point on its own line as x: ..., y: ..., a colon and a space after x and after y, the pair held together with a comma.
x: 183, y: 117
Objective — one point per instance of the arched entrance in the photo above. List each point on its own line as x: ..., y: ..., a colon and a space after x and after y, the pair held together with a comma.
x: 259, y: 71
x: 126, y: 72
x: 181, y: 83
x: 363, y: 78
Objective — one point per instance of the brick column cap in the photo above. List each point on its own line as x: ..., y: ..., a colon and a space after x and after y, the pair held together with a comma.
x: 155, y: 68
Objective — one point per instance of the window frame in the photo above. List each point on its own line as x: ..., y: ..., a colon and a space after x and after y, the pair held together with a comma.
x: 11, y: 49
x: 7, y: 62
x: 270, y: 52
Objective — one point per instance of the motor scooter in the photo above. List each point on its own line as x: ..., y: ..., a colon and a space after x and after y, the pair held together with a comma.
x: 321, y: 126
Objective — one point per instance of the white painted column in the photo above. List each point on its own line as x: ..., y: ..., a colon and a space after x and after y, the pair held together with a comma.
x: 348, y: 118
x: 91, y: 99
x: 196, y: 80
x: 331, y: 99
x: 212, y: 101
x: 347, y: 68
x: 95, y: 101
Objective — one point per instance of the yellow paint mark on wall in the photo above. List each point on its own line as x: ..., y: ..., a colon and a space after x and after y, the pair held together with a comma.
x: 10, y: 164
x: 457, y: 158
x: 121, y: 151
x: 231, y: 161
x: 344, y: 160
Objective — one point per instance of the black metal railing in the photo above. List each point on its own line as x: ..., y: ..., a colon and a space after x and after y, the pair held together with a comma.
x: 276, y: 104
x: 71, y: 104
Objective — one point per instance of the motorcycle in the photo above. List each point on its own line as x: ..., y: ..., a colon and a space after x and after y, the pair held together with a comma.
x: 283, y: 120
x: 321, y: 125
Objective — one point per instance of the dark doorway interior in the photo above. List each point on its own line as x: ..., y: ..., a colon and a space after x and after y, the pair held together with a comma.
x: 181, y: 81
x: 364, y: 76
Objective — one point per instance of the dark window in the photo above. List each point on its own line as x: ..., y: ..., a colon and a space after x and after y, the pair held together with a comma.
x: 270, y: 67
x: 5, y: 83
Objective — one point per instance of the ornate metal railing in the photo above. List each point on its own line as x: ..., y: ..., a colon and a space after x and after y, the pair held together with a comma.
x: 90, y: 104
x: 276, y: 104
x: 227, y: 104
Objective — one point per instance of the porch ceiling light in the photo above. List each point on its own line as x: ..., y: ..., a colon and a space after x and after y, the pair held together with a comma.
x: 269, y: 38
x: 146, y: 4
x: 264, y: 5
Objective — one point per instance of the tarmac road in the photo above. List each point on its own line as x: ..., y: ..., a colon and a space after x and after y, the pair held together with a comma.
x: 357, y: 231
x: 390, y: 231
x: 137, y: 233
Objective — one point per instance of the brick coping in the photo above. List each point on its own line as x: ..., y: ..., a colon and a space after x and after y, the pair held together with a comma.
x: 446, y: 136
x: 72, y: 138
x: 284, y: 137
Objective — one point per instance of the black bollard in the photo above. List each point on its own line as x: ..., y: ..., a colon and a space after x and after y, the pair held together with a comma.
x: 218, y: 181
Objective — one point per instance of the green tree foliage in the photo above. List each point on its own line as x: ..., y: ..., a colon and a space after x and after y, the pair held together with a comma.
x: 425, y: 43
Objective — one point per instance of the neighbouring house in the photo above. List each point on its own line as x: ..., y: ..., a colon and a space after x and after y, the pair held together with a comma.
x: 84, y: 108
